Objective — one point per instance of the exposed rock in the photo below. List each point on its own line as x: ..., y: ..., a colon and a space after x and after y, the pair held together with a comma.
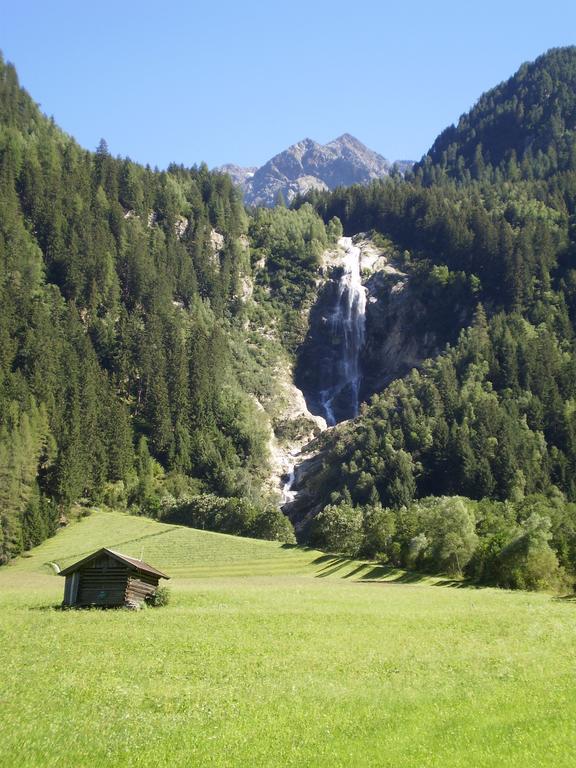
x: 238, y: 174
x: 397, y: 335
x: 216, y: 241
x: 180, y: 226
x: 308, y: 165
x: 304, y: 503
x: 292, y: 429
x: 246, y: 288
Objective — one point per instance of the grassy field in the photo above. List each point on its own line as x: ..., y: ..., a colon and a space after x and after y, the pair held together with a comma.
x: 275, y: 656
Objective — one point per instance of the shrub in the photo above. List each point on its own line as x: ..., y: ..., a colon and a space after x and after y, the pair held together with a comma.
x: 160, y: 598
x: 379, y: 528
x: 446, y: 537
x: 338, y: 528
x: 273, y: 525
x: 529, y: 562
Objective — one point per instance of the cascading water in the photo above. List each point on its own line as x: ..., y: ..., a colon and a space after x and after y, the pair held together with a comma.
x: 348, y: 324
x: 288, y: 495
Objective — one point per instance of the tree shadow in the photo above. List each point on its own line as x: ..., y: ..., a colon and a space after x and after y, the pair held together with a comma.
x: 327, y: 559
x: 84, y: 608
x: 333, y: 565
x: 356, y: 571
x: 454, y: 583
x: 390, y: 575
x: 372, y: 572
x: 300, y: 548
x: 387, y: 574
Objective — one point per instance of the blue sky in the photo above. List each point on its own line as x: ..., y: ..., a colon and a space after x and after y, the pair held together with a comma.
x: 239, y: 81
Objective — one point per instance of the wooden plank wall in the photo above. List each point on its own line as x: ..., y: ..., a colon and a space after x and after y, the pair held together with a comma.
x: 103, y: 582
x: 141, y: 586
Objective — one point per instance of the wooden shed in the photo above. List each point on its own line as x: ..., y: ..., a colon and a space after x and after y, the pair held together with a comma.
x: 109, y: 579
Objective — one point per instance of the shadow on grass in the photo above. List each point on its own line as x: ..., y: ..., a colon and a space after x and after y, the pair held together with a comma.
x: 457, y: 583
x: 67, y: 608
x: 85, y: 608
x: 391, y: 575
x: 332, y: 565
x: 374, y: 573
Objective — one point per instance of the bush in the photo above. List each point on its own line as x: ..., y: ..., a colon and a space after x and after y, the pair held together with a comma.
x: 338, y: 528
x: 160, y: 598
x: 379, y: 528
x: 529, y: 562
x: 273, y: 525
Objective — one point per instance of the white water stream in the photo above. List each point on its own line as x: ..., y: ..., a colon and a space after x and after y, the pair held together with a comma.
x: 288, y: 495
x: 348, y: 323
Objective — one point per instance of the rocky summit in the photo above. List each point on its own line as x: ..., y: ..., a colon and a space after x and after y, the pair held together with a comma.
x: 309, y: 165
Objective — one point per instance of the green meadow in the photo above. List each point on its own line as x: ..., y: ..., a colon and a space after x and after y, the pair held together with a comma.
x: 270, y: 655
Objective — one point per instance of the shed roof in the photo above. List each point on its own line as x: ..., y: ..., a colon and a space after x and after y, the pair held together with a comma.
x: 139, y: 565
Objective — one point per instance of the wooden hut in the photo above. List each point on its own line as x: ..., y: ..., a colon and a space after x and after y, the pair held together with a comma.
x: 107, y: 578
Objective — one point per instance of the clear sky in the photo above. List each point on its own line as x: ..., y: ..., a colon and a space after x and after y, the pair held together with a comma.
x: 238, y: 81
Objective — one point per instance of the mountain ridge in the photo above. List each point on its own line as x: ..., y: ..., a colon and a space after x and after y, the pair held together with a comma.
x: 308, y: 165
x: 523, y: 127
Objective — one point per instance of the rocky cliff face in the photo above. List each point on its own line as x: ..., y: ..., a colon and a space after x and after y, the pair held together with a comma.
x: 396, y: 334
x: 308, y: 165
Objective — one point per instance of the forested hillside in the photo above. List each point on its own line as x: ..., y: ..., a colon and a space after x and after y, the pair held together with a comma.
x: 124, y: 295
x: 493, y: 417
x: 524, y: 128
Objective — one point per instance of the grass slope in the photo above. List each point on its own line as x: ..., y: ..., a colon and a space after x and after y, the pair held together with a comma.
x: 280, y: 668
x: 187, y: 552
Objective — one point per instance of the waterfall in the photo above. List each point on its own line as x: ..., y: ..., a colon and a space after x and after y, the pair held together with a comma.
x: 288, y: 495
x: 348, y: 322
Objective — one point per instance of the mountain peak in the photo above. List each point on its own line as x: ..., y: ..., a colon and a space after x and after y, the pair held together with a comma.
x: 347, y: 140
x: 308, y: 165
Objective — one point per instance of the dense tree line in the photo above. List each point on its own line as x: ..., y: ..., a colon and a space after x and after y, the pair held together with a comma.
x: 525, y: 544
x: 499, y: 244
x: 234, y: 516
x: 121, y: 294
